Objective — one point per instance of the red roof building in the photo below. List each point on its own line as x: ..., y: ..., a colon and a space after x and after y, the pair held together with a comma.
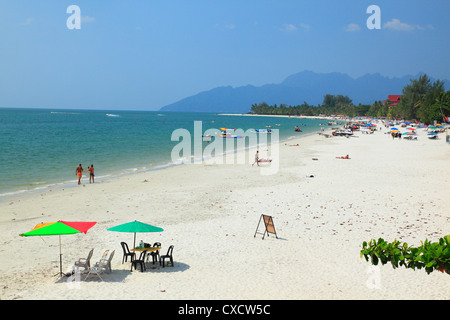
x: 394, y: 99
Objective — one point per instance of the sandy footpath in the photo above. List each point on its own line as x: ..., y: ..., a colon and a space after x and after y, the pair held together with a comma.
x: 322, y: 211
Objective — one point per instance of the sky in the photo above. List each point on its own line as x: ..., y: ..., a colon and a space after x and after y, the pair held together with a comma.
x: 145, y: 54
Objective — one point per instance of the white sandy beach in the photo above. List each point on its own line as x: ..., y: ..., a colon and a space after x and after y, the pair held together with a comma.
x: 209, y: 212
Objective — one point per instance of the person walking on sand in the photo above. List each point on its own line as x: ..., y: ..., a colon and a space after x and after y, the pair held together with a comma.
x: 256, y: 159
x: 91, y: 173
x: 79, y: 173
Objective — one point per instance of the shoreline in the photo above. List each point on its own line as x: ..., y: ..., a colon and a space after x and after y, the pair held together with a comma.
x: 11, y: 195
x: 322, y: 210
x: 285, y: 116
x: 17, y: 194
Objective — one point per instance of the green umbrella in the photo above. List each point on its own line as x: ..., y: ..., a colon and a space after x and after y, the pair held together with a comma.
x: 134, y: 227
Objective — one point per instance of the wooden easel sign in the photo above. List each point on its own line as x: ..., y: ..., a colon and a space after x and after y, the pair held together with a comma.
x: 268, y: 224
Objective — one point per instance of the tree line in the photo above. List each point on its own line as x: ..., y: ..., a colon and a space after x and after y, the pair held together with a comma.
x: 421, y: 100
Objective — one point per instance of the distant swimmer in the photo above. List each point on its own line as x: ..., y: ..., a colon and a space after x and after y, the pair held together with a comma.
x: 346, y: 157
x: 91, y: 173
x: 79, y: 173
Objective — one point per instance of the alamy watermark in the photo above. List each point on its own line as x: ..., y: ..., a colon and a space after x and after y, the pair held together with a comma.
x: 74, y: 279
x: 227, y: 146
x: 74, y: 20
x: 374, y: 279
x: 374, y: 21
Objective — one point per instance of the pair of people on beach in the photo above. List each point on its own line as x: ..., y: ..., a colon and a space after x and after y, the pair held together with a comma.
x: 79, y: 172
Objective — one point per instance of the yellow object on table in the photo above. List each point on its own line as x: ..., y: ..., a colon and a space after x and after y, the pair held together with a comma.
x: 149, y: 249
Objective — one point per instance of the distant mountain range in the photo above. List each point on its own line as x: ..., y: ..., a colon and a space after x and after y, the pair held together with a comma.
x: 306, y: 86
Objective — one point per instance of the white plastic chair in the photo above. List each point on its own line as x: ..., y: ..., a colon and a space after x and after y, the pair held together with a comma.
x: 104, y: 264
x: 85, y: 262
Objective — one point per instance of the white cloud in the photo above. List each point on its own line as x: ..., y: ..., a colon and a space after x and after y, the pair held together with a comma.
x: 428, y: 27
x: 352, y: 27
x: 230, y: 26
x: 87, y: 19
x: 304, y: 26
x: 27, y: 22
x: 289, y: 27
x: 396, y: 24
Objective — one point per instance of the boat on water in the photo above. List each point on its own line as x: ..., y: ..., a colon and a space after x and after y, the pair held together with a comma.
x: 207, y: 137
x: 230, y: 136
x: 226, y: 133
x: 268, y: 131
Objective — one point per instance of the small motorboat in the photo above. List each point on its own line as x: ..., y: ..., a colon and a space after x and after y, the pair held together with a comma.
x: 268, y: 131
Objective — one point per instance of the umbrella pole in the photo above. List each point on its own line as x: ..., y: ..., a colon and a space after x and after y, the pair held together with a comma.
x: 134, y: 244
x: 60, y: 257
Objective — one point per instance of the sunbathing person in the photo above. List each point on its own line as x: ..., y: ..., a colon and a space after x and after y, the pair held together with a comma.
x: 346, y: 157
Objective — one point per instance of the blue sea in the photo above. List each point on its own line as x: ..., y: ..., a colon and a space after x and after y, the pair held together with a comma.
x: 40, y: 148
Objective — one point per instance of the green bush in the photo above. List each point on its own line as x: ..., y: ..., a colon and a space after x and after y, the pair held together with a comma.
x: 430, y: 255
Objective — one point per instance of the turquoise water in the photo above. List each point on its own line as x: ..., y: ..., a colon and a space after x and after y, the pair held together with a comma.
x: 40, y: 148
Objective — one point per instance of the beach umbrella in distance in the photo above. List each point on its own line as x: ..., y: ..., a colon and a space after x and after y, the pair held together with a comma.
x: 135, y: 227
x: 59, y: 228
x: 394, y: 130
